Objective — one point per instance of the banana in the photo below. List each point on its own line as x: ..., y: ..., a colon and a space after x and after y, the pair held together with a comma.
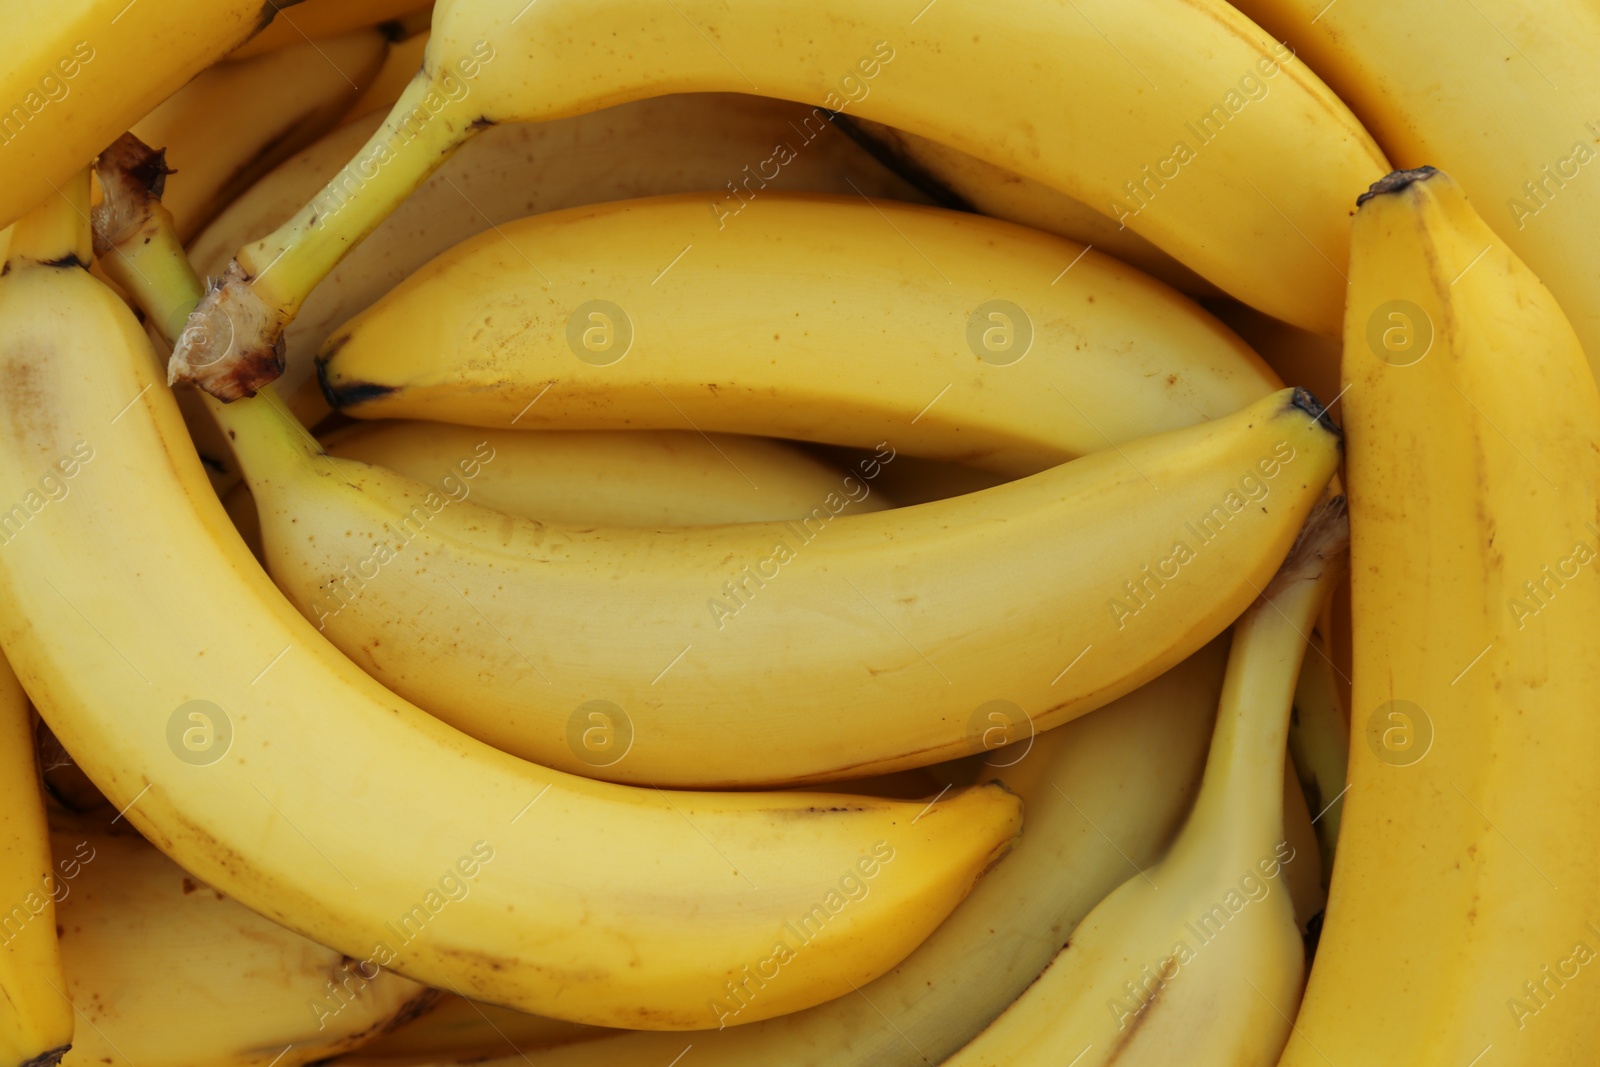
x: 315, y: 19
x: 1504, y: 97
x: 1319, y: 742
x: 272, y: 768
x: 958, y: 180
x: 639, y: 478
x: 457, y: 1030
x: 688, y: 143
x: 1196, y: 959
x: 1102, y: 801
x: 36, y: 1023
x: 399, y: 66
x: 956, y: 337
x: 238, y: 120
x: 1239, y: 168
x: 1465, y: 883
x: 165, y: 972
x: 77, y: 75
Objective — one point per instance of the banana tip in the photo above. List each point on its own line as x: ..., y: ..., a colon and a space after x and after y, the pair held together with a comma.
x: 1306, y: 402
x: 1395, y: 181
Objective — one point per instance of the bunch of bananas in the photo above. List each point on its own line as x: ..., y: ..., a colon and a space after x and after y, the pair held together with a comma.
x: 967, y: 639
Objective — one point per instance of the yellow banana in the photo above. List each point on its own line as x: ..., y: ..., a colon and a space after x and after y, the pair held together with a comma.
x: 457, y: 1030
x: 269, y: 766
x: 1239, y: 167
x: 313, y: 19
x: 1465, y: 883
x: 165, y: 972
x: 951, y: 335
x: 238, y: 120
x: 1102, y: 801
x: 77, y: 75
x: 1197, y: 960
x: 1502, y: 94
x: 1319, y: 742
x: 36, y: 1022
x: 686, y: 143
x: 399, y: 66
x: 956, y: 179
x: 638, y: 478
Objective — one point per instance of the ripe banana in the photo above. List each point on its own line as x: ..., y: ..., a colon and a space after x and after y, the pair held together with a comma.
x: 1466, y: 880
x: 1319, y: 742
x: 686, y: 143
x: 950, y: 335
x: 399, y: 66
x: 268, y: 765
x: 1504, y: 96
x: 638, y: 478
x: 315, y: 19
x: 165, y: 972
x: 1102, y: 801
x: 77, y: 75
x: 1239, y: 167
x: 238, y: 120
x: 1196, y: 960
x: 955, y: 179
x: 36, y: 1023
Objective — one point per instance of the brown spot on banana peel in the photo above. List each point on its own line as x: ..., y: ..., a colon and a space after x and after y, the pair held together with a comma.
x: 1396, y: 181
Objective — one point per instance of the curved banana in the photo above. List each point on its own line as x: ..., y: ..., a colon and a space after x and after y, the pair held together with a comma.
x: 1105, y: 794
x: 238, y: 120
x: 399, y: 67
x: 951, y: 335
x: 36, y: 1021
x: 168, y: 973
x: 310, y: 20
x: 1319, y: 742
x: 1466, y: 877
x: 955, y: 179
x: 77, y: 75
x: 1197, y: 960
x: 684, y: 143
x: 271, y: 767
x: 1239, y: 167
x: 1504, y: 96
x: 637, y: 478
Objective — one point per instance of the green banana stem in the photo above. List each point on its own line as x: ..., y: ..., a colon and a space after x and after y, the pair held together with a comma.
x: 139, y: 248
x: 1241, y: 795
x: 265, y: 285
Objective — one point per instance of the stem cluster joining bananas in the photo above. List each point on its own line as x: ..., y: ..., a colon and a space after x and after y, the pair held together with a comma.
x: 1015, y: 350
x: 1240, y: 168
x: 1466, y: 879
x: 244, y: 745
x: 166, y: 972
x: 1198, y: 959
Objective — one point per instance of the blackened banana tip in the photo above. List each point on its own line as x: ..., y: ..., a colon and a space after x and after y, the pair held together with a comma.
x: 1395, y: 181
x: 1309, y: 404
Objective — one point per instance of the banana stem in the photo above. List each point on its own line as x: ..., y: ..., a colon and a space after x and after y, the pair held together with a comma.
x: 58, y: 229
x: 1241, y: 795
x: 264, y: 286
x: 140, y: 250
